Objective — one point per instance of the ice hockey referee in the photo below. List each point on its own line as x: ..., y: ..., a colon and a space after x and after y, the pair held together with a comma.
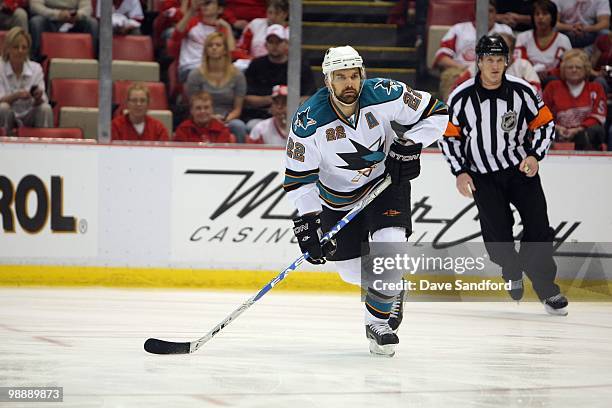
x: 499, y: 131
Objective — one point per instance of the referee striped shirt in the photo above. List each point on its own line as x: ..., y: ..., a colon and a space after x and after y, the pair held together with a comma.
x: 492, y: 130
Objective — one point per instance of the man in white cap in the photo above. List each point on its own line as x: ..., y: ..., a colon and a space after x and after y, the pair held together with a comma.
x: 265, y: 72
x: 340, y: 146
x: 273, y: 131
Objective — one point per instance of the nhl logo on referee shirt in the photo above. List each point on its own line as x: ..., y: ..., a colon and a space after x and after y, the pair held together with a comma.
x: 508, y: 121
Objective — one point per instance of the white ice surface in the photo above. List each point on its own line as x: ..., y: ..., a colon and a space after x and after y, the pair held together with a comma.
x: 294, y: 350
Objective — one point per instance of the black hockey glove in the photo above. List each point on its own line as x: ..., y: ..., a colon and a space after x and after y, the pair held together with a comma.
x: 403, y: 162
x: 307, y: 230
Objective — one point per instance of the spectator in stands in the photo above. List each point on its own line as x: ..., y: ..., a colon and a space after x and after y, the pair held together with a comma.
x: 202, y: 126
x: 239, y: 12
x: 170, y: 13
x: 265, y: 72
x: 515, y: 13
x: 273, y: 131
x: 127, y: 16
x: 457, y: 49
x: 543, y: 46
x: 578, y: 105
x: 136, y: 124
x: 583, y: 20
x: 62, y: 16
x: 518, y: 67
x: 253, y: 39
x: 601, y: 59
x: 200, y: 20
x: 11, y: 15
x: 23, y: 101
x: 225, y: 84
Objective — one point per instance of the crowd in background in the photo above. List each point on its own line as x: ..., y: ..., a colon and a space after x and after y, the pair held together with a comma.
x: 232, y: 56
x: 561, y: 47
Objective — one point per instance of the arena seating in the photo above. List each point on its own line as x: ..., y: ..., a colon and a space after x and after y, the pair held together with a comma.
x: 73, y: 92
x: 441, y: 15
x: 133, y: 48
x: 58, y: 133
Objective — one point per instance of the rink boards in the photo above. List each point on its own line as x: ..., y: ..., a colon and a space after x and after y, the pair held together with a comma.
x: 217, y: 217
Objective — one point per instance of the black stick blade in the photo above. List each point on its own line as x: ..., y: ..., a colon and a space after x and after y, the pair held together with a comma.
x: 156, y: 346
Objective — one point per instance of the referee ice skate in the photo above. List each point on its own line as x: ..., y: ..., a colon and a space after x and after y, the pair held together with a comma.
x: 340, y: 145
x: 498, y: 132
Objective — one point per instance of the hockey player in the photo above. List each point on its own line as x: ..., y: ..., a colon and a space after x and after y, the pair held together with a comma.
x: 340, y: 145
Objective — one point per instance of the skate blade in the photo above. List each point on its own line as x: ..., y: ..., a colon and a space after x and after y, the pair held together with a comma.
x: 382, y: 351
x: 556, y: 312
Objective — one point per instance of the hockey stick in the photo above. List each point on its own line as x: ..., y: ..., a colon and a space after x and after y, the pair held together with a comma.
x: 157, y: 346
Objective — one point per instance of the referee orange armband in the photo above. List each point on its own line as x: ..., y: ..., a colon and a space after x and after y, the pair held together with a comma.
x: 544, y: 116
x: 452, y: 130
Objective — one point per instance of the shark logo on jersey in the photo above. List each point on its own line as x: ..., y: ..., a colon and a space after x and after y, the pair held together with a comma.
x: 387, y: 85
x: 364, y: 159
x: 303, y: 120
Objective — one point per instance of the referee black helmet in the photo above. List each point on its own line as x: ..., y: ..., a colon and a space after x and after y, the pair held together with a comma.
x: 492, y: 44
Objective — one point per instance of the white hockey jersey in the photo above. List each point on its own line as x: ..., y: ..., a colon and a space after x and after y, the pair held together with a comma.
x: 335, y: 160
x: 542, y: 59
x: 268, y: 132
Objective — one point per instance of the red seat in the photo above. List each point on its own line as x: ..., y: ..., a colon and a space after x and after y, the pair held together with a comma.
x: 73, y: 92
x: 563, y: 146
x: 133, y: 48
x: 450, y: 12
x: 59, y: 133
x: 66, y: 45
x: 157, y: 91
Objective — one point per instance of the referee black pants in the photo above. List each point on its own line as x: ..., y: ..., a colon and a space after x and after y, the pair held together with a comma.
x: 494, y: 194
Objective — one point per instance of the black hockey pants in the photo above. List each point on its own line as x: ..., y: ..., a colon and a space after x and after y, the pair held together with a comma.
x: 494, y: 194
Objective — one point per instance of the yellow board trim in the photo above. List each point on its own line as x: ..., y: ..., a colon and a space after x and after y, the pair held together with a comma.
x: 45, y: 275
x: 223, y: 279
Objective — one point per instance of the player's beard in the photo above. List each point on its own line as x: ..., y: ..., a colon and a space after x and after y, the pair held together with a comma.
x: 348, y: 97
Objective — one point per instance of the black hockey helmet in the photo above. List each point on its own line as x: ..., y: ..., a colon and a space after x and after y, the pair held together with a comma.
x: 492, y: 44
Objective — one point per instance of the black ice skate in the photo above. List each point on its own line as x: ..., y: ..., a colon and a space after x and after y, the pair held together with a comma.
x: 382, y: 339
x: 556, y: 305
x: 516, y: 289
x: 397, y: 311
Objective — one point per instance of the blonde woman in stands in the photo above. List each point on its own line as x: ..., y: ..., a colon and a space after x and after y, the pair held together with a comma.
x: 200, y: 20
x: 23, y: 101
x: 224, y: 82
x: 578, y: 104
